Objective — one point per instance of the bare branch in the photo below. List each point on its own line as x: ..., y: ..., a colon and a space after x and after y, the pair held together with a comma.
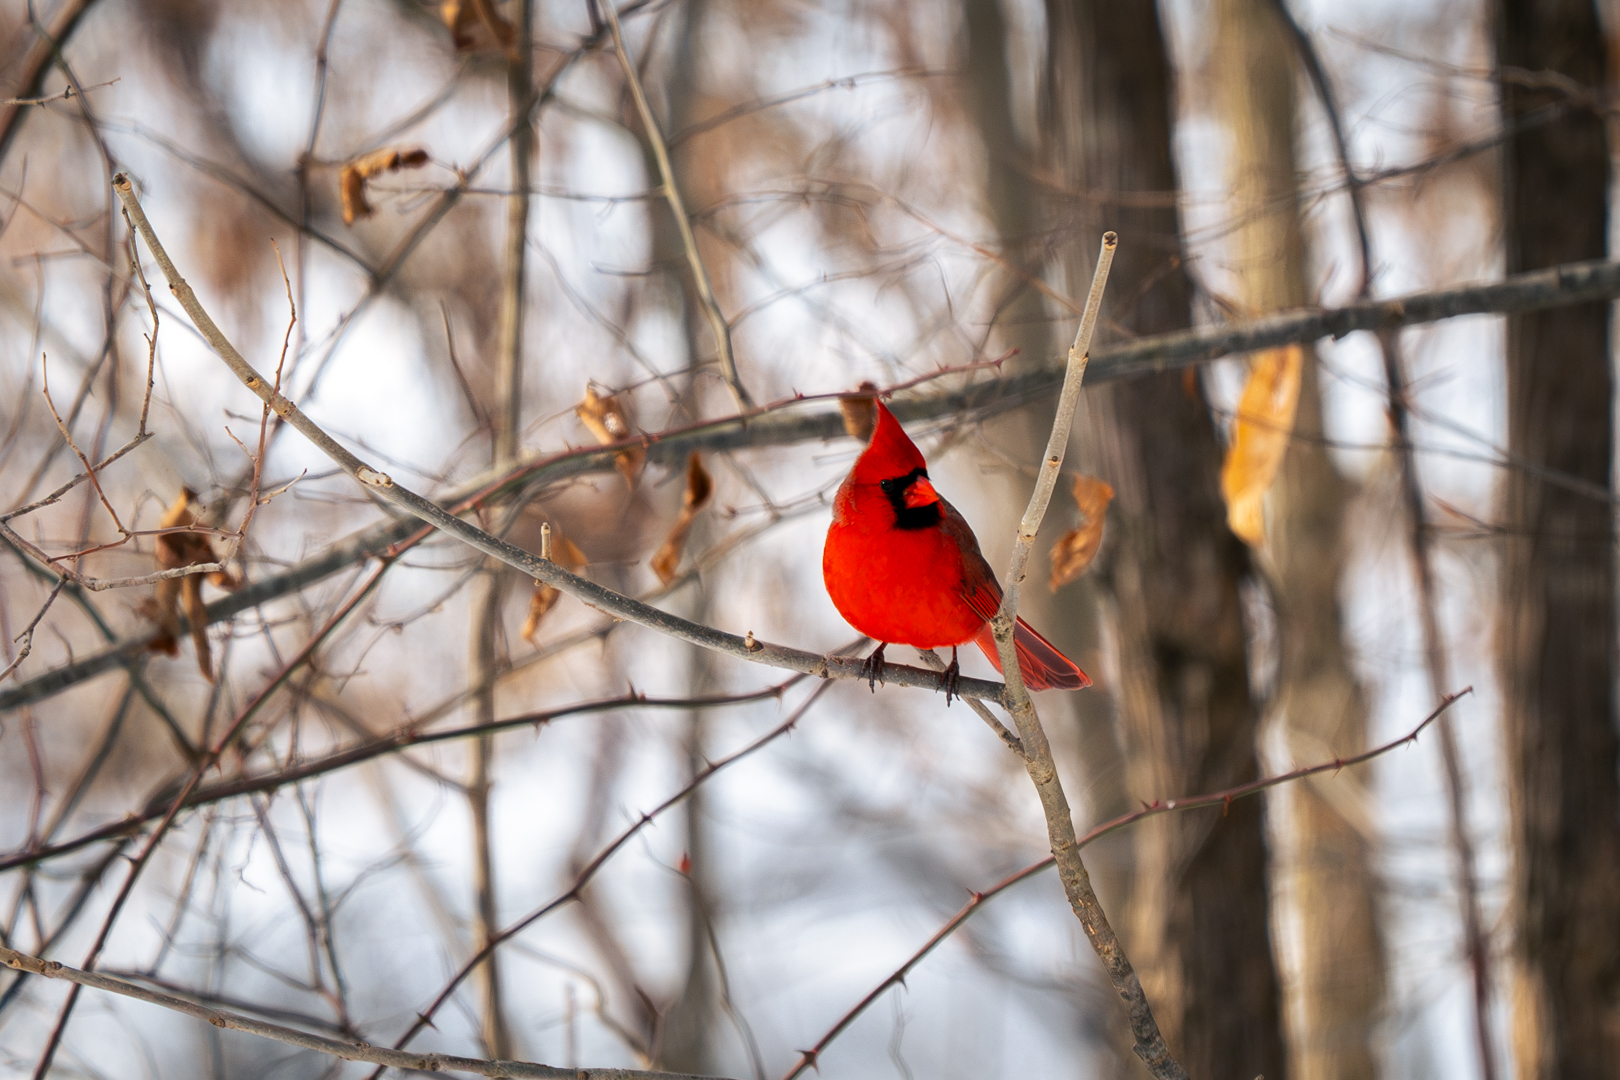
x: 346, y: 1051
x: 30, y: 73
x: 808, y: 1058
x: 27, y: 636
x: 591, y: 868
x: 1150, y: 1045
x: 787, y: 422
x: 672, y: 194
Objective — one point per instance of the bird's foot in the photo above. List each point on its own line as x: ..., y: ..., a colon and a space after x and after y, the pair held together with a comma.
x: 872, y: 668
x: 951, y: 679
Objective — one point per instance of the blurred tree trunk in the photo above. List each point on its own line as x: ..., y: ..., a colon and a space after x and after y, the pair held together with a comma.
x: 685, y: 1040
x: 1197, y: 925
x: 1082, y: 724
x: 1341, y: 960
x: 490, y: 587
x: 1557, y: 623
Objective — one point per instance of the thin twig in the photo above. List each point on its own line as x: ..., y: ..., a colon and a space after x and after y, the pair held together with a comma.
x: 785, y: 423
x: 1149, y: 1042
x: 64, y: 95
x: 933, y: 660
x: 666, y: 172
x: 808, y: 1058
x: 346, y: 1051
x: 383, y: 487
x: 45, y: 388
x: 27, y: 636
x: 57, y: 495
x: 590, y: 869
x: 1434, y: 647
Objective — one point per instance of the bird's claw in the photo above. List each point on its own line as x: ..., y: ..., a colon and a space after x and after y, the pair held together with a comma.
x: 951, y: 680
x: 872, y: 668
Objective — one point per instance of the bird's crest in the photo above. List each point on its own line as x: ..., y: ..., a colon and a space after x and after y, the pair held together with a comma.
x: 890, y: 454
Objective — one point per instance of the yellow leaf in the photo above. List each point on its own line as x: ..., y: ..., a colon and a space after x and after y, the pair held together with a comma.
x: 1260, y: 434
x: 699, y: 486
x: 1073, y: 552
x: 606, y: 419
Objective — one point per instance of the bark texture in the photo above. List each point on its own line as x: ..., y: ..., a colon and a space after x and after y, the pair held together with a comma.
x: 1556, y: 637
x: 1341, y: 963
x: 1197, y: 922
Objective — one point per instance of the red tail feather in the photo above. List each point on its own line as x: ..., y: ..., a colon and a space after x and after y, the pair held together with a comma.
x: 1043, y: 667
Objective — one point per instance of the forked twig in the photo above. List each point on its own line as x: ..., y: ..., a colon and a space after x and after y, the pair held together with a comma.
x: 807, y: 1058
x: 27, y: 635
x: 783, y: 423
x: 1149, y: 1041
x: 590, y: 869
x: 383, y: 487
x: 677, y: 207
x: 417, y: 1061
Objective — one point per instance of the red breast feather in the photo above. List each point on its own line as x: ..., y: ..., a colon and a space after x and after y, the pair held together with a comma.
x: 927, y: 587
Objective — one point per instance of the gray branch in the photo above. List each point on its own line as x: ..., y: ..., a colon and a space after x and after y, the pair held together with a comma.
x: 792, y: 422
x: 348, y: 1051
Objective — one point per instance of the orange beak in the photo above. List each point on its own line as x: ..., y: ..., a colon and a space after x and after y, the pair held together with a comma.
x: 921, y: 493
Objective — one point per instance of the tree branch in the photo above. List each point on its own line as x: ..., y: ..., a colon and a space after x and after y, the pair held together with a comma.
x: 1150, y: 1045
x: 683, y: 222
x: 347, y: 1051
x: 808, y: 1058
x: 788, y: 422
x: 383, y: 487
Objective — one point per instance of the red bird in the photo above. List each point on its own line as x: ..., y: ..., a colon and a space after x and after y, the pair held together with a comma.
x: 904, y: 567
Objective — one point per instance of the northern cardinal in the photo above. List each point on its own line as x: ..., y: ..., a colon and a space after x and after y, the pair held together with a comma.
x: 903, y: 566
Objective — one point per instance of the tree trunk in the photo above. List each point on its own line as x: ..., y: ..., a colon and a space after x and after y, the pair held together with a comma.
x: 1556, y: 635
x: 1341, y: 962
x: 1198, y: 924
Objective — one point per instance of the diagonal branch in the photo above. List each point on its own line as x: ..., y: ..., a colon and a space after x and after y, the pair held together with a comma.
x: 382, y: 487
x: 789, y: 422
x: 590, y: 869
x: 1150, y: 1045
x: 808, y: 1058
x: 683, y: 222
x: 416, y: 1061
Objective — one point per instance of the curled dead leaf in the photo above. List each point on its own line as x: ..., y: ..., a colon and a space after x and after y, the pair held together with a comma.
x: 1075, y: 550
x: 352, y: 180
x: 184, y: 594
x: 565, y: 553
x: 699, y: 488
x: 859, y: 415
x: 606, y: 419
x: 1260, y: 435
x: 475, y: 24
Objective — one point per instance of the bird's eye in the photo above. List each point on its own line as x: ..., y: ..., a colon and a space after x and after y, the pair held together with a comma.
x: 894, y: 485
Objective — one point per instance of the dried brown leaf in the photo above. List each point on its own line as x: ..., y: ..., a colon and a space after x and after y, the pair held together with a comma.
x: 1260, y: 436
x: 859, y: 415
x: 699, y: 485
x: 352, y: 179
x: 565, y: 553
x: 1074, y: 551
x: 699, y: 488
x: 475, y: 24
x: 175, y: 550
x: 606, y: 419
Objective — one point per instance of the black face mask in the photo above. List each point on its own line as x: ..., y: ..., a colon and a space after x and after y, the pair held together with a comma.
x: 909, y: 517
